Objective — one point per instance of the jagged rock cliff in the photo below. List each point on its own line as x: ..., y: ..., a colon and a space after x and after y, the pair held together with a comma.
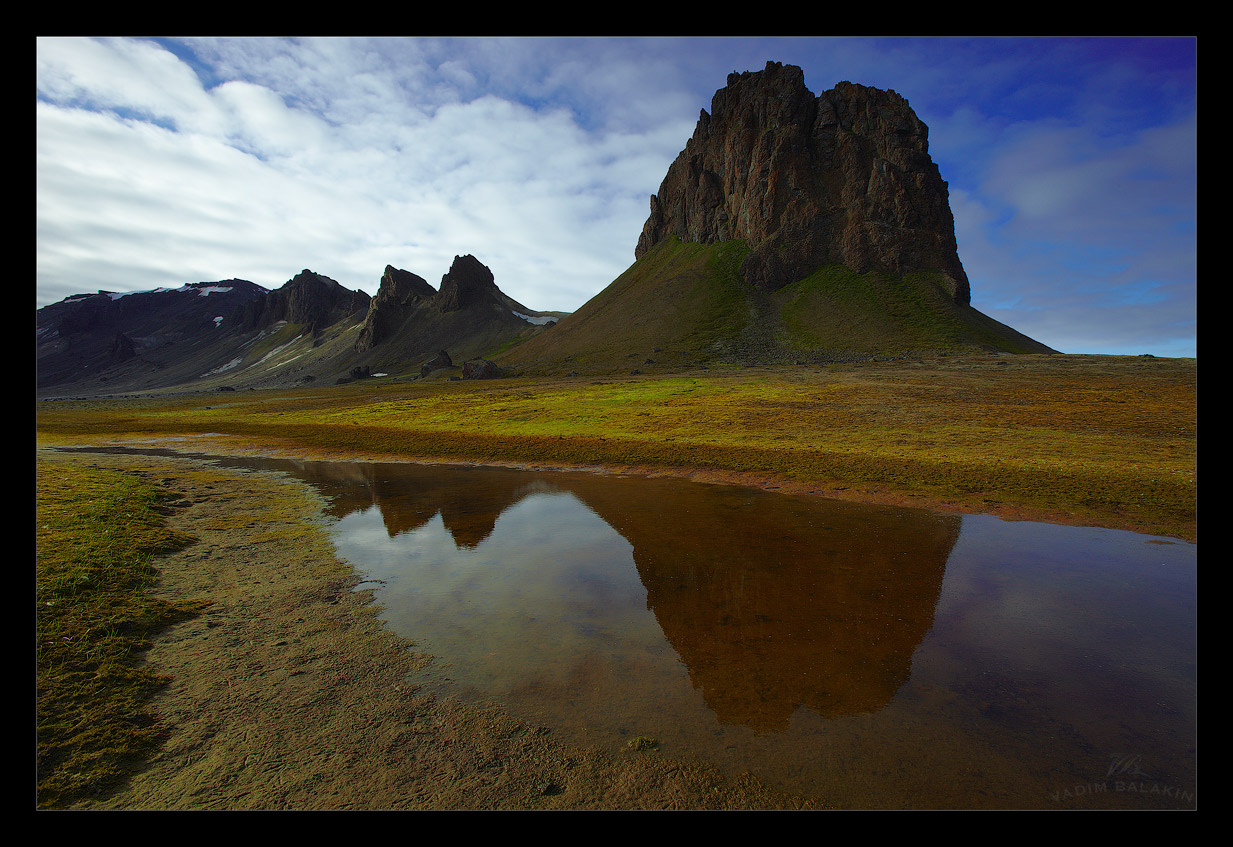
x: 400, y: 291
x: 410, y: 318
x: 309, y: 299
x: 805, y: 181
x: 467, y: 283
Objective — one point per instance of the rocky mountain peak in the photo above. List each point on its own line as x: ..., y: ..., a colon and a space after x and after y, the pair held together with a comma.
x: 308, y: 298
x: 468, y: 279
x: 403, y: 287
x: 844, y: 177
x: 399, y: 292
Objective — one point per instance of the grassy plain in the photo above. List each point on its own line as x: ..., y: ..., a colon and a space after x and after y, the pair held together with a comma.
x: 97, y: 532
x: 285, y: 690
x: 1107, y: 441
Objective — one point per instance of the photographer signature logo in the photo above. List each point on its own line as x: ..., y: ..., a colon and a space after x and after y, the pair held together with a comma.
x: 1125, y: 776
x: 1126, y: 766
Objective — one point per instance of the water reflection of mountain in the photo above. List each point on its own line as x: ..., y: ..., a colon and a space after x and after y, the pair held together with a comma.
x: 778, y: 602
x: 469, y: 499
x: 772, y: 602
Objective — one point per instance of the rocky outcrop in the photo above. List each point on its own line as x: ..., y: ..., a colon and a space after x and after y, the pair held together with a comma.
x: 122, y: 348
x: 805, y: 181
x: 309, y: 299
x: 480, y: 369
x: 468, y: 315
x: 468, y: 281
x: 398, y: 295
x: 436, y: 363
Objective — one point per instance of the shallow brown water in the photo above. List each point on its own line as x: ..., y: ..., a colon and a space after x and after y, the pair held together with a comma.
x: 876, y: 657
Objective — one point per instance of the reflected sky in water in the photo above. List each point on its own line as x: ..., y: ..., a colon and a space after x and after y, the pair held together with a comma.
x: 881, y: 656
x: 875, y: 657
x: 522, y: 608
x: 551, y: 591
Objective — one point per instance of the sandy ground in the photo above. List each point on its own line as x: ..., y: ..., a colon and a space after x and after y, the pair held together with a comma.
x: 288, y: 693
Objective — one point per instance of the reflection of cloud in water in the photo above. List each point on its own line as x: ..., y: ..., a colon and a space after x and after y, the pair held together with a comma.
x: 523, y: 603
x: 771, y: 602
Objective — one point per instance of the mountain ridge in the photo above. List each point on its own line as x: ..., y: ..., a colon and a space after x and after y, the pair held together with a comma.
x: 311, y: 330
x: 791, y: 228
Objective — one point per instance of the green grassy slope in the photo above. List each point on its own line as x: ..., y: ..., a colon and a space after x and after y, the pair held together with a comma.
x: 837, y: 309
x: 685, y: 303
x: 675, y: 303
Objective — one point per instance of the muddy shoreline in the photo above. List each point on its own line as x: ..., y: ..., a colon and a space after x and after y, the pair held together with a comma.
x: 289, y: 693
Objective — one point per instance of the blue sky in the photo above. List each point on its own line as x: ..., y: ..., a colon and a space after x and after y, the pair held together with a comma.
x: 1072, y: 163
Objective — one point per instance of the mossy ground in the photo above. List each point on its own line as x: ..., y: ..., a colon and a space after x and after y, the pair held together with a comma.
x: 699, y: 305
x: 836, y: 308
x: 287, y: 692
x: 96, y: 533
x: 1103, y: 440
x: 685, y: 303
x: 1108, y: 441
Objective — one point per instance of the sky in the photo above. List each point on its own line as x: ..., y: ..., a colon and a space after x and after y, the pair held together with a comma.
x: 1072, y: 163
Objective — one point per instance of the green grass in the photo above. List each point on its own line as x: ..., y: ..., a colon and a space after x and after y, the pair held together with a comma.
x: 96, y: 534
x: 687, y: 303
x: 838, y: 309
x: 682, y: 298
x: 1102, y: 440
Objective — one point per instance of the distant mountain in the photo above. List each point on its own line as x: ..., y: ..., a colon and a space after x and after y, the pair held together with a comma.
x: 790, y: 228
x: 468, y: 317
x: 310, y: 331
x: 93, y: 339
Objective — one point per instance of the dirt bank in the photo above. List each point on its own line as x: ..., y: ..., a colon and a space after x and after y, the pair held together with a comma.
x: 288, y: 693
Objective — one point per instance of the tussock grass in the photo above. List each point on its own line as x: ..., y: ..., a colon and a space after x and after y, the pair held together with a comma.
x: 1102, y: 440
x: 97, y: 532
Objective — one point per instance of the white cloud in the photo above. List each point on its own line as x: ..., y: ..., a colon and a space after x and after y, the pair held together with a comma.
x: 119, y: 74
x: 137, y: 157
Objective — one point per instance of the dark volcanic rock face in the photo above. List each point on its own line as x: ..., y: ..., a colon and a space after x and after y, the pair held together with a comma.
x: 468, y: 279
x: 122, y: 349
x: 308, y: 298
x: 844, y: 177
x: 399, y: 293
x: 82, y: 336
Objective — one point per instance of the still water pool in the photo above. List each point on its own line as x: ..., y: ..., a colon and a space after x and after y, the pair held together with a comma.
x: 874, y: 657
